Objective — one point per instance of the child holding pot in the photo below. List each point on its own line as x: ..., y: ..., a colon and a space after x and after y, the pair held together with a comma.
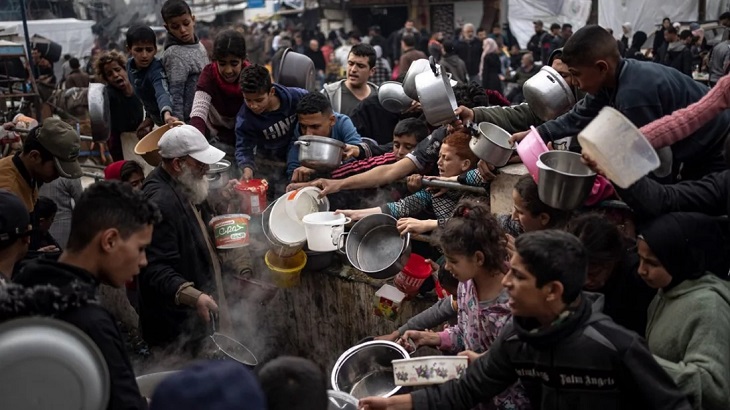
x: 475, y: 249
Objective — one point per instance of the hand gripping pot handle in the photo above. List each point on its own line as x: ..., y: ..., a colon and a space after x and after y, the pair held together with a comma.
x: 341, y: 242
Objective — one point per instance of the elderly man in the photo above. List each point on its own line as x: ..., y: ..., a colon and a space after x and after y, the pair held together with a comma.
x: 346, y: 94
x: 469, y: 49
x: 176, y: 287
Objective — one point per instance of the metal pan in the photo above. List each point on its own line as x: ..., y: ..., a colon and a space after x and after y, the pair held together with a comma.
x: 99, y: 112
x: 229, y: 346
x: 49, y: 364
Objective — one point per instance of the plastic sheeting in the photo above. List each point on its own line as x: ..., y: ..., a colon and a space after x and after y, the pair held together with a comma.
x: 644, y: 15
x: 523, y: 12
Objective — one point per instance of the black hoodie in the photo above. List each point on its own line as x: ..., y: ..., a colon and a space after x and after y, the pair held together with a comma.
x: 69, y: 293
x: 584, y: 361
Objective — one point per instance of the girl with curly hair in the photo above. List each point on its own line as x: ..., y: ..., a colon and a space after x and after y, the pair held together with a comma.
x: 476, y: 254
x: 126, y: 109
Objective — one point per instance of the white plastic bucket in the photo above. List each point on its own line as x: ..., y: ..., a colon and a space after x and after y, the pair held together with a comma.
x: 304, y: 202
x: 618, y: 147
x: 323, y: 230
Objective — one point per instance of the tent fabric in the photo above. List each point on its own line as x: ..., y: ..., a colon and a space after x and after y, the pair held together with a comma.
x: 645, y: 15
x: 522, y: 13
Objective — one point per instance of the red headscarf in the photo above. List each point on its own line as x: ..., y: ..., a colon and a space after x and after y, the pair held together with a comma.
x: 114, y: 170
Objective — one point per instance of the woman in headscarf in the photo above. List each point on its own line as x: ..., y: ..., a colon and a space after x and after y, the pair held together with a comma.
x: 637, y: 41
x: 688, y: 329
x: 490, y: 67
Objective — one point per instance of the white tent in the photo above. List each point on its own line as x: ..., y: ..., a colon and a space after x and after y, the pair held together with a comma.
x: 74, y: 36
x: 523, y: 12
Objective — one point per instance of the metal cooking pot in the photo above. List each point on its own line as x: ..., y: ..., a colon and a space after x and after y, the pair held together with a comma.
x: 365, y: 369
x: 564, y: 182
x: 320, y: 153
x: 375, y: 247
x: 99, y: 112
x: 409, y: 81
x: 341, y: 401
x: 217, y: 175
x: 393, y: 98
x: 548, y: 95
x: 49, y: 364
x: 437, y: 98
x: 295, y: 70
x: 277, y: 247
x: 491, y: 144
x: 231, y: 347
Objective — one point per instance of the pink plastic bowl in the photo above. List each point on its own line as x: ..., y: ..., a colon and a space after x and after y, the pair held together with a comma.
x: 529, y: 150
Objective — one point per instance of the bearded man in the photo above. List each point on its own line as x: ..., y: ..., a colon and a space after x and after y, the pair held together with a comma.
x: 176, y: 287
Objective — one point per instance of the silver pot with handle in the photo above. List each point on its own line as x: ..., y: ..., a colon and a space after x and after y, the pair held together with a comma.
x: 320, y: 153
x: 491, y: 144
x: 295, y: 70
x: 564, y: 182
x: 375, y: 247
x: 436, y: 96
x: 99, y: 112
x: 547, y: 93
x: 217, y: 175
x: 409, y: 81
x: 393, y: 98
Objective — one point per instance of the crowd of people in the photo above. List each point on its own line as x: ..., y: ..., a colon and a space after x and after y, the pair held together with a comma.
x: 620, y: 303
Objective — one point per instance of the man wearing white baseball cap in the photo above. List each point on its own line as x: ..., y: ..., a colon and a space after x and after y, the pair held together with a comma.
x: 177, y: 285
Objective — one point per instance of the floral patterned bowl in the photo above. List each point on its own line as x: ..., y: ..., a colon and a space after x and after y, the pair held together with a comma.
x: 428, y: 370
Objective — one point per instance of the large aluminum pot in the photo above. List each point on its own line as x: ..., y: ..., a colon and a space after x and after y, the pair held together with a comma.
x: 393, y: 98
x: 295, y: 70
x: 375, y: 247
x: 548, y: 95
x: 320, y: 153
x: 99, y: 112
x: 409, y: 81
x: 365, y: 369
x: 437, y: 98
x: 49, y: 364
x: 217, y: 175
x: 148, y: 383
x: 564, y: 181
x: 491, y: 144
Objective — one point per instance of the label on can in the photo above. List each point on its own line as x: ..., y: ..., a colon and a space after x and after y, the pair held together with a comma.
x: 231, y: 232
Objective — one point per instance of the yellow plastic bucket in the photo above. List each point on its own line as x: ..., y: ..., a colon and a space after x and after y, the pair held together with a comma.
x: 285, y: 271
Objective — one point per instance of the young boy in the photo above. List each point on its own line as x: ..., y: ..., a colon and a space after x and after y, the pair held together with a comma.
x: 147, y: 75
x: 110, y: 229
x: 565, y: 353
x: 643, y: 92
x: 265, y: 124
x: 184, y: 57
x: 316, y: 117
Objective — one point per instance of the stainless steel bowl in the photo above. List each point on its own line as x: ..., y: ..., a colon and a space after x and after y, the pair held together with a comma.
x: 409, y: 81
x: 375, y: 247
x: 548, y: 95
x: 320, y: 153
x: 295, y: 70
x: 492, y: 144
x: 340, y: 401
x: 217, y: 175
x: 366, y: 370
x: 564, y: 182
x: 393, y: 98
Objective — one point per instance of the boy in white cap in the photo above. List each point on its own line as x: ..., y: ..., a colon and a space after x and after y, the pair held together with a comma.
x: 176, y: 287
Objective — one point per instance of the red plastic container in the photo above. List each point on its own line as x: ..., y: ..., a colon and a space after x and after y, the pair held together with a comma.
x: 253, y: 196
x: 410, y: 279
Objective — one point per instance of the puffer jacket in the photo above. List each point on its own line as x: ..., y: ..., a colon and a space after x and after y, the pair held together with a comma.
x: 584, y: 361
x: 65, y: 292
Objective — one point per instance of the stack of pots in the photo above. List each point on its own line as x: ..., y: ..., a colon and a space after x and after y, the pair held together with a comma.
x: 283, y: 227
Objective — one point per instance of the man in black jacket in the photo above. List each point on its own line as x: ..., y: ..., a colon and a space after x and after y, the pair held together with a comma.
x: 110, y: 228
x: 565, y: 354
x: 175, y: 287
